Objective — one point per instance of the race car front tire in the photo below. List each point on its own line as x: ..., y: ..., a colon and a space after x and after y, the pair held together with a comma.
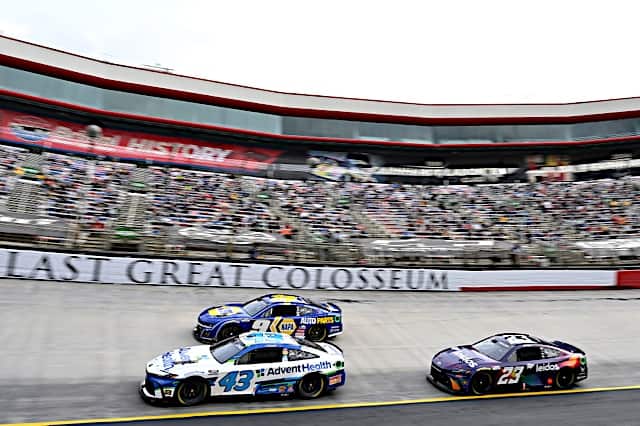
x: 311, y: 386
x: 228, y: 331
x: 565, y: 378
x: 481, y: 383
x: 191, y: 392
x: 317, y: 333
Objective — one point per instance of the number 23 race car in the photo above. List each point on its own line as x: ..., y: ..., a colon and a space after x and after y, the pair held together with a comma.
x: 508, y: 361
x: 278, y: 313
x: 253, y: 363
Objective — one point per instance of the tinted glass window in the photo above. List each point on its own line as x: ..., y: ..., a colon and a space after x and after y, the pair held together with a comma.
x: 492, y: 348
x: 224, y: 351
x: 305, y: 310
x: 548, y: 352
x: 297, y: 355
x: 254, y: 306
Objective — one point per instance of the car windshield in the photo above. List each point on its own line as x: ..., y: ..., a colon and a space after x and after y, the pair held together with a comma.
x: 492, y: 348
x: 254, y: 306
x: 223, y: 351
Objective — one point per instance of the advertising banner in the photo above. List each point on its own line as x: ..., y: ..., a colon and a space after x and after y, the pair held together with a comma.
x: 31, y: 264
x: 68, y: 136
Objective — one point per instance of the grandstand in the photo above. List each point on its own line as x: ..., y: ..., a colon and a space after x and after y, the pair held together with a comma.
x: 187, y: 167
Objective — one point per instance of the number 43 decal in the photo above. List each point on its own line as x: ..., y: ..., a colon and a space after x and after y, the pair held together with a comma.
x: 510, y: 375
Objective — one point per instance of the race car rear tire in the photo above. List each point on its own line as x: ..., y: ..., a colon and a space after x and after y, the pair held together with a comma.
x: 317, y: 333
x: 565, y: 378
x: 229, y: 331
x: 191, y: 392
x: 311, y: 386
x: 481, y: 383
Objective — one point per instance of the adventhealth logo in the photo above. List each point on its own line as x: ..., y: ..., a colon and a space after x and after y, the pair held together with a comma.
x: 302, y: 368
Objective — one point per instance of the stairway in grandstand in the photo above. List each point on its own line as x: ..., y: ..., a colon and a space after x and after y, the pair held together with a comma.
x: 27, y: 193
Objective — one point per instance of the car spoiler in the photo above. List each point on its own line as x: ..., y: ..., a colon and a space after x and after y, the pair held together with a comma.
x: 568, y: 347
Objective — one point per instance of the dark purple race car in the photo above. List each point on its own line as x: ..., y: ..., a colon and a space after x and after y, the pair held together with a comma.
x: 508, y: 361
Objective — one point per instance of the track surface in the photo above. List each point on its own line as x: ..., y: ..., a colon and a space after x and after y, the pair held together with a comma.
x: 614, y: 408
x: 77, y: 351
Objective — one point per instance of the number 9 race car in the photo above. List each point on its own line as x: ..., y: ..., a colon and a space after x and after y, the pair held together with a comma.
x: 278, y: 313
x: 253, y: 363
x: 508, y: 361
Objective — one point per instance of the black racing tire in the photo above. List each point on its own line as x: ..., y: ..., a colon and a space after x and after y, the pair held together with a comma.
x: 228, y: 331
x: 565, y: 378
x: 311, y: 386
x: 481, y: 383
x: 316, y: 333
x: 191, y: 392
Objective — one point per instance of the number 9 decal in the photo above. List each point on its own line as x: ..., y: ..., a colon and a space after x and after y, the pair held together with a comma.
x: 261, y: 325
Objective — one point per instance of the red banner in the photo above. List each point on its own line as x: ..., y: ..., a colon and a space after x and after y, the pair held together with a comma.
x: 69, y: 136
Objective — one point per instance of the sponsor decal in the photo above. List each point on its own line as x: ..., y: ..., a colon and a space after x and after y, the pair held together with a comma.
x: 308, y: 320
x: 168, y: 392
x: 224, y: 237
x: 298, y: 369
x: 26, y: 221
x: 464, y: 358
x: 283, y: 298
x: 325, y: 320
x: 224, y: 311
x: 287, y: 326
x: 33, y: 264
x: 72, y: 137
x: 547, y: 367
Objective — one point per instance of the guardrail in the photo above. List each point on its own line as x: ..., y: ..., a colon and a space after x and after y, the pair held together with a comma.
x: 295, y: 252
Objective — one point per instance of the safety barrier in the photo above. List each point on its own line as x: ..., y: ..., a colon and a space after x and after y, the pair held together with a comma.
x: 86, y: 268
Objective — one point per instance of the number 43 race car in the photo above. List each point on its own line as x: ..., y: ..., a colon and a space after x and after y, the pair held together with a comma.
x: 253, y: 363
x: 278, y: 313
x: 508, y: 361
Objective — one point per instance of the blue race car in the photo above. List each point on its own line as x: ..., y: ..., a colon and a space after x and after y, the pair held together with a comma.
x: 279, y: 313
x: 508, y: 361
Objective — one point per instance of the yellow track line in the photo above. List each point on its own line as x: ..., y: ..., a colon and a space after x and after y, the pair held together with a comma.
x: 324, y: 406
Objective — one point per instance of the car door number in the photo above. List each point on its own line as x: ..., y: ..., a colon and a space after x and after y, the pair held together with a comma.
x: 261, y: 325
x: 510, y: 375
x: 232, y: 382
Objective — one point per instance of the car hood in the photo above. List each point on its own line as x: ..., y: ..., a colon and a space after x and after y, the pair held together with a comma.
x: 184, y: 361
x: 215, y: 314
x: 462, y: 358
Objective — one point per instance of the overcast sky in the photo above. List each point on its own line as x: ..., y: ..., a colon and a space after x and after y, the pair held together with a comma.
x: 446, y: 51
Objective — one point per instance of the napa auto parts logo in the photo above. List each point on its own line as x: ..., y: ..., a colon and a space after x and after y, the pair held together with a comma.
x: 29, y: 128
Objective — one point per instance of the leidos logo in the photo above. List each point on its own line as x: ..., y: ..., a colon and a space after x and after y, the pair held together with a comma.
x: 547, y: 367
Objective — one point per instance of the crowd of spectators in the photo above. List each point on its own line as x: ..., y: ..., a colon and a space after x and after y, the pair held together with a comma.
x: 91, y: 193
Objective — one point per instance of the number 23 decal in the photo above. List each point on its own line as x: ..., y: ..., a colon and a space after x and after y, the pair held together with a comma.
x: 510, y: 375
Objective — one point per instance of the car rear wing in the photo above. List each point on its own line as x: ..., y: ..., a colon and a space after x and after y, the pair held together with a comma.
x: 568, y: 347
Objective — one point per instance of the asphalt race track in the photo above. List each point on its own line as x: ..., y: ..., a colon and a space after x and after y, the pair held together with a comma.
x: 614, y: 408
x: 77, y: 351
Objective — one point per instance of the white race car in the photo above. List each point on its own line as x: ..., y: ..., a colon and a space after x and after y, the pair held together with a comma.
x: 254, y: 363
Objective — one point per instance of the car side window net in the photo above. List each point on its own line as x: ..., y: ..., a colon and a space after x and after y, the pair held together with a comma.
x: 529, y: 353
x: 261, y: 356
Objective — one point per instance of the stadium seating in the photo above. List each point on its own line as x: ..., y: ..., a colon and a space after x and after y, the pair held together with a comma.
x: 98, y: 195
